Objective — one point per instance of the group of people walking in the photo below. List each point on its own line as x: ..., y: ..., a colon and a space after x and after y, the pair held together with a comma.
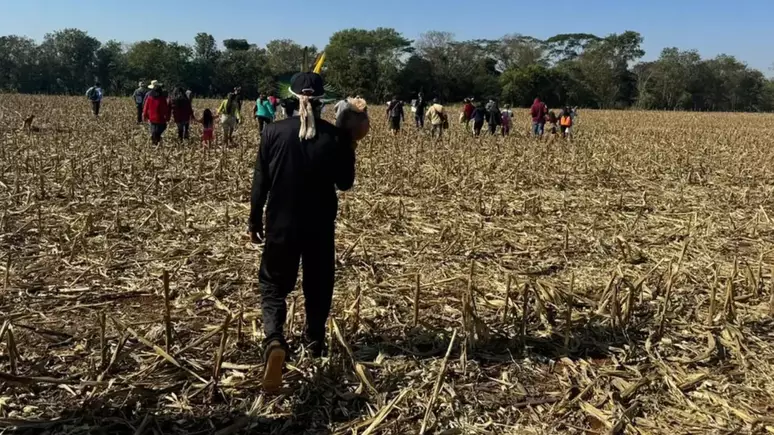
x: 475, y: 115
x: 435, y: 113
x: 158, y: 108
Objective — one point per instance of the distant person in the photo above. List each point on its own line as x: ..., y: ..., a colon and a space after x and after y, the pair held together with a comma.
x: 395, y: 114
x: 438, y: 119
x: 156, y: 111
x: 182, y: 113
x: 538, y: 111
x: 264, y: 112
x: 478, y: 116
x: 189, y: 95
x: 553, y: 120
x: 566, y: 122
x: 493, y: 117
x: 506, y: 120
x: 208, y: 127
x: 238, y: 93
x: 419, y: 106
x: 94, y: 94
x: 301, y: 163
x: 229, y: 117
x: 276, y: 103
x: 139, y: 98
x: 467, y: 112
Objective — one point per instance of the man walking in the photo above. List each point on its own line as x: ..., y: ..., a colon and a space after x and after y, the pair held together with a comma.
x: 94, y: 94
x: 538, y: 111
x: 438, y: 119
x: 419, y: 110
x: 301, y: 162
x: 139, y: 99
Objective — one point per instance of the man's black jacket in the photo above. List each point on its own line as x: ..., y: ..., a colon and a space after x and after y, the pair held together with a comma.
x: 299, y: 178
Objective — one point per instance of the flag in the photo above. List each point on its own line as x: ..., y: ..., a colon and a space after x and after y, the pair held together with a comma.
x: 318, y: 65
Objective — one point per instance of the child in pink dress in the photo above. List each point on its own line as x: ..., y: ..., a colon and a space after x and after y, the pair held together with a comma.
x: 208, y: 122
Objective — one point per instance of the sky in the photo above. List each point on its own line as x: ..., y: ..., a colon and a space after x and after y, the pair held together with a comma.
x: 741, y: 28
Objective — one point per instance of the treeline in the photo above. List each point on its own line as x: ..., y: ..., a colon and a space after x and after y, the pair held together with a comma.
x: 577, y: 69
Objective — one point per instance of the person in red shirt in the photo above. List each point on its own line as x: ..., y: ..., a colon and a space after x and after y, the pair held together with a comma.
x: 156, y: 111
x: 467, y: 111
x: 538, y: 111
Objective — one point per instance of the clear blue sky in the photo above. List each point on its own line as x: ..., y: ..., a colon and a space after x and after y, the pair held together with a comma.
x: 737, y: 27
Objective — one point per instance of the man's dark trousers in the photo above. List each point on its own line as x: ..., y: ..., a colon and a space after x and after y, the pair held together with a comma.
x: 139, y: 113
x: 315, y: 248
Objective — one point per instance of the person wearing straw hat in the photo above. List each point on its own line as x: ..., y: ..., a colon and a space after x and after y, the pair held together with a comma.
x: 139, y: 98
x: 156, y: 110
x: 301, y: 162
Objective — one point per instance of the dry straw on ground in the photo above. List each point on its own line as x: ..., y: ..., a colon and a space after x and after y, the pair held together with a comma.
x: 621, y: 283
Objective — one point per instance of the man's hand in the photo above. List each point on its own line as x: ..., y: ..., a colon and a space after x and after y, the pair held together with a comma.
x: 257, y: 236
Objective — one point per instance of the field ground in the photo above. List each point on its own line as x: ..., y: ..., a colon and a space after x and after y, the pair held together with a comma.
x: 652, y: 230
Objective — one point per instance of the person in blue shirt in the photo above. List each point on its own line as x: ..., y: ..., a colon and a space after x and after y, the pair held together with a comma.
x: 264, y: 112
x: 479, y: 115
x: 139, y: 99
x: 94, y: 94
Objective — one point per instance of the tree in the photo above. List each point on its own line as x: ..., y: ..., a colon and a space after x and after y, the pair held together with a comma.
x: 111, y: 68
x: 284, y: 55
x: 568, y: 46
x: 69, y: 58
x: 416, y: 76
x: 603, y: 68
x: 577, y: 69
x: 366, y: 62
x: 205, y: 48
x: 205, y: 58
x: 158, y: 60
x: 243, y: 68
x: 18, y: 64
x: 236, y: 44
x: 521, y: 85
x: 519, y: 51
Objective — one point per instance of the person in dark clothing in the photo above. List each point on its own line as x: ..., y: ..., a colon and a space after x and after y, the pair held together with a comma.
x: 238, y: 94
x: 182, y: 113
x: 479, y: 115
x: 493, y: 118
x: 139, y: 98
x: 395, y: 114
x: 419, y: 114
x: 467, y: 112
x: 301, y: 162
x: 538, y: 111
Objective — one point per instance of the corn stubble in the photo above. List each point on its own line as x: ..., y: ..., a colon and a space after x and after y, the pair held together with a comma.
x: 619, y: 283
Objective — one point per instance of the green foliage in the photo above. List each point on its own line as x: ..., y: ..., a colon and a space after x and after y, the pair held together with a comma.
x: 578, y: 68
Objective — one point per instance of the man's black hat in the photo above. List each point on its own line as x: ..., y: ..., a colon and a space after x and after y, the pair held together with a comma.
x: 308, y: 84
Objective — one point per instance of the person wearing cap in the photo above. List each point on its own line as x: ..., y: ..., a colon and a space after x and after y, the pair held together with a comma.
x: 301, y: 162
x: 156, y: 110
x: 139, y: 98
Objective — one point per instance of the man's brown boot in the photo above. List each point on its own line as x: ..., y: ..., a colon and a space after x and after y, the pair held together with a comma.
x: 274, y: 358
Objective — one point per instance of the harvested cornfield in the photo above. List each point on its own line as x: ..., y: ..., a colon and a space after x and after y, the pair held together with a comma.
x: 619, y: 283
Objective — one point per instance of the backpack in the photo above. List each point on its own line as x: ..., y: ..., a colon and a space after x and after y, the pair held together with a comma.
x: 92, y: 94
